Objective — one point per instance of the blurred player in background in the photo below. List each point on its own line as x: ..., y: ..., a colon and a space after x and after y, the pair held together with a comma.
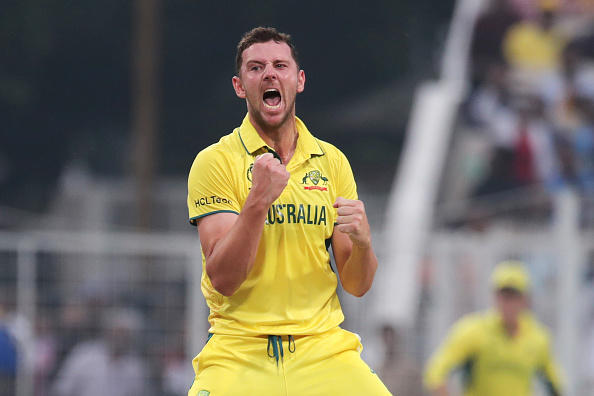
x: 500, y: 351
x: 268, y: 200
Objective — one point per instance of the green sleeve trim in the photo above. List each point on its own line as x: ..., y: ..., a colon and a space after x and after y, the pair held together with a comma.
x: 548, y: 383
x: 467, y: 372
x: 193, y: 219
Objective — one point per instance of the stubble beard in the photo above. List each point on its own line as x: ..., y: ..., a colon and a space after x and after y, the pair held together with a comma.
x: 261, y: 121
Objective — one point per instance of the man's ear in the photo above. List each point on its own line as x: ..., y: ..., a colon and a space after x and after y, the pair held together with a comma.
x: 238, y: 87
x: 300, y: 81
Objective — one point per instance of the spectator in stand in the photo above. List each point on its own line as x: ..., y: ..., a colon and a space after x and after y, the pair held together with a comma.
x: 490, y: 97
x: 584, y: 149
x: 8, y: 351
x: 584, y: 146
x: 586, y: 41
x: 560, y: 89
x: 533, y: 47
x: 523, y: 150
x: 107, y: 365
x: 79, y: 320
x: 16, y: 341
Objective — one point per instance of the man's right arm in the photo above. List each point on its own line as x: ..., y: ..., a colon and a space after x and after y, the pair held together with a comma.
x: 458, y: 347
x: 230, y: 241
x: 552, y: 374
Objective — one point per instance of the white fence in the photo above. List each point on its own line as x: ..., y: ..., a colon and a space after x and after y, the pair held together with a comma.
x: 57, y: 285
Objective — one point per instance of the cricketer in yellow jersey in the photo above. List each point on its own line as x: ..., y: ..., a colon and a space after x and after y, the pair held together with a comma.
x: 268, y: 200
x: 500, y: 351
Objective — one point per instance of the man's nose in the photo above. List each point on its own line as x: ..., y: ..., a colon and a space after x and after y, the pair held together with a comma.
x: 270, y: 72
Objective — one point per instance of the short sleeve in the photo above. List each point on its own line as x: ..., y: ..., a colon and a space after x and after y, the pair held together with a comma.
x: 347, y: 188
x: 551, y: 372
x: 211, y: 186
x: 460, y: 345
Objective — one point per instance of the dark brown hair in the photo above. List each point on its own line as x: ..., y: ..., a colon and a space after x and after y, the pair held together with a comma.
x: 262, y: 35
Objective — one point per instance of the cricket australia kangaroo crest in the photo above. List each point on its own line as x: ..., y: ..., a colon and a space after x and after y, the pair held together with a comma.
x: 314, y: 177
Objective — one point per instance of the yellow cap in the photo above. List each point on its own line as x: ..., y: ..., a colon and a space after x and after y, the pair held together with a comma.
x: 511, y: 275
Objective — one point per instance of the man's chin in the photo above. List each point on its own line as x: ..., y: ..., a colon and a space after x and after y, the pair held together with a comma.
x: 272, y: 120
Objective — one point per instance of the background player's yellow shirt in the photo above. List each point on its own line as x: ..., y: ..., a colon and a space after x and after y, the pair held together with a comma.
x: 292, y: 287
x: 494, y: 363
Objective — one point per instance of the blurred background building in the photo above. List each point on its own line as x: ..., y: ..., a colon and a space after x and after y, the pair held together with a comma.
x: 469, y: 125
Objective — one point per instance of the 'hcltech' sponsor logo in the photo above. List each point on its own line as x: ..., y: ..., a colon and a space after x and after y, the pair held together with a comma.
x: 213, y: 199
x: 292, y: 214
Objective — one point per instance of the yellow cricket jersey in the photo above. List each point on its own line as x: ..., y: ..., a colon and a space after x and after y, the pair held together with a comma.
x: 529, y: 47
x: 495, y: 364
x: 292, y: 288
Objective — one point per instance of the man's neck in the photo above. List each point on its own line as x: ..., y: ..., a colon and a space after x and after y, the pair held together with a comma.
x: 511, y: 328
x: 283, y: 139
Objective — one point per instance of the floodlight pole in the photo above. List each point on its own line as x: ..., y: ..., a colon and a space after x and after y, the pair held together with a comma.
x: 146, y: 70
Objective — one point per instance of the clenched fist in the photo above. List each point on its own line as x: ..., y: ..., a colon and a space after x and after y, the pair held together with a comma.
x: 269, y: 177
x: 352, y: 220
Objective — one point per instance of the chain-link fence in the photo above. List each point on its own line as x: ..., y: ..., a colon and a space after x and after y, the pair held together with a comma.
x: 112, y: 311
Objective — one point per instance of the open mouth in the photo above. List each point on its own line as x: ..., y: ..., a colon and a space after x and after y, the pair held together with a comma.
x: 272, y: 99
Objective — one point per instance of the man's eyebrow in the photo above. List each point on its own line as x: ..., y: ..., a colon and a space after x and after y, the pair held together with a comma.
x: 261, y: 62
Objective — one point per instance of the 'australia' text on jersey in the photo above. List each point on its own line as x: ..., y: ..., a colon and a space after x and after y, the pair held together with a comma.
x: 291, y: 213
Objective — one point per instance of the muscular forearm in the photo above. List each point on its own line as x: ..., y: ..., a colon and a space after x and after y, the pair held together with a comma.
x: 355, y: 259
x: 230, y: 248
x: 359, y: 270
x: 232, y: 258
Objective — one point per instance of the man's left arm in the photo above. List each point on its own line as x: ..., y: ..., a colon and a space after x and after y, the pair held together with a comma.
x: 351, y: 243
x: 552, y: 373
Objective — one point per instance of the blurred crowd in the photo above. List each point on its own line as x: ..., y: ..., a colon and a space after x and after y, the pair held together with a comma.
x: 94, y: 345
x: 531, y: 102
x: 530, y: 113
